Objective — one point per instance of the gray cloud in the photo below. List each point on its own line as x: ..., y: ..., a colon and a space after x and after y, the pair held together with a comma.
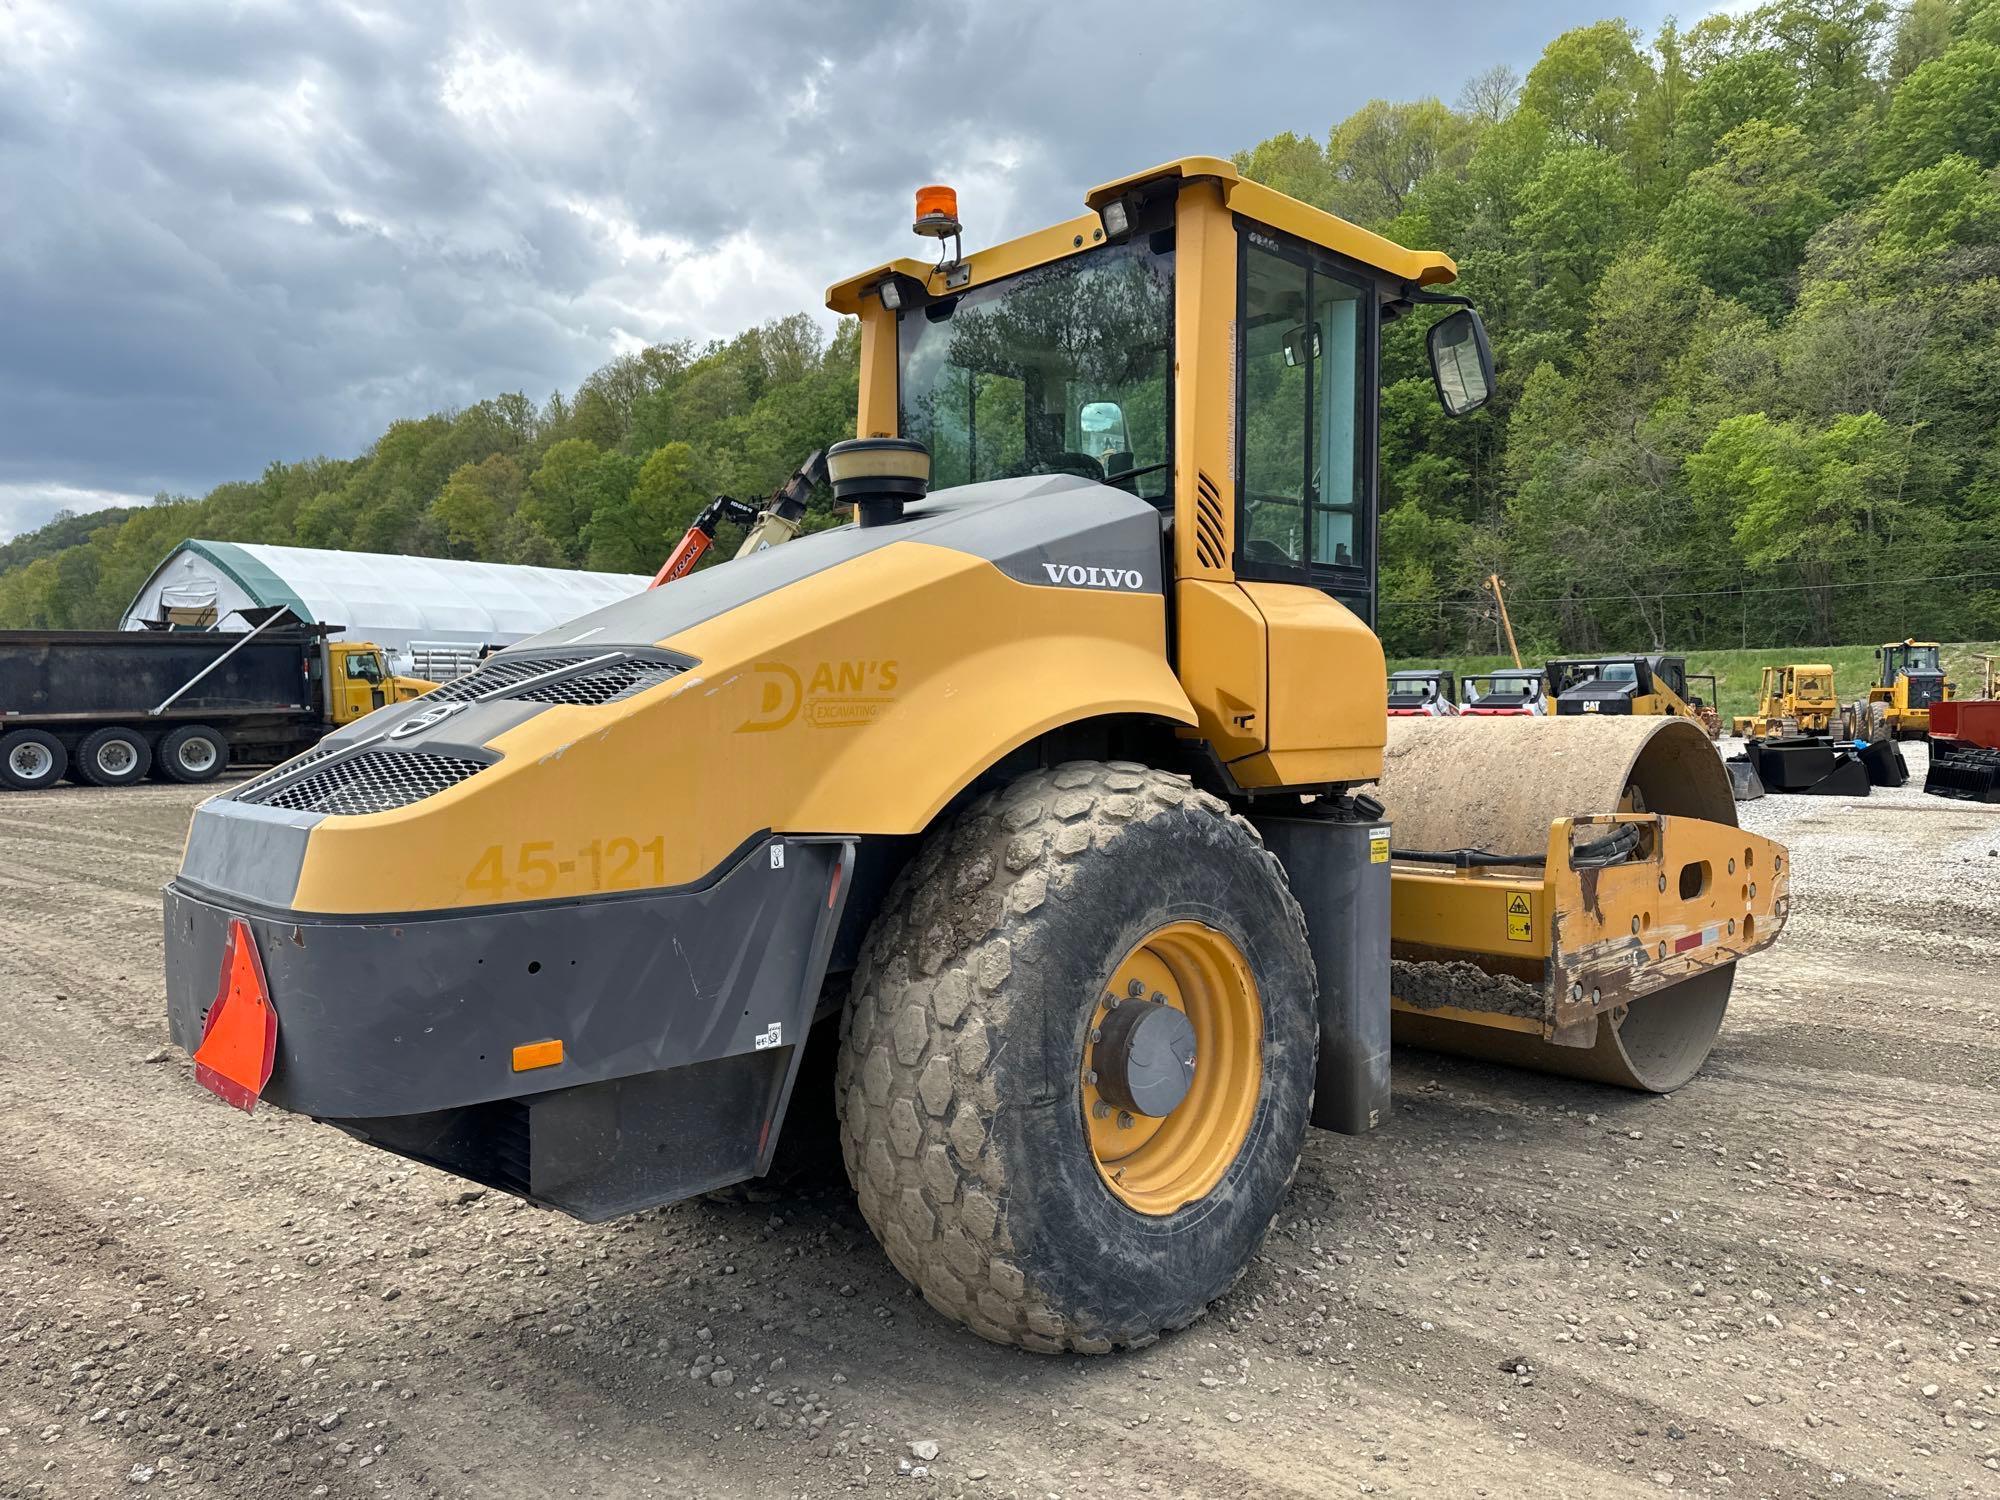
x: 262, y: 230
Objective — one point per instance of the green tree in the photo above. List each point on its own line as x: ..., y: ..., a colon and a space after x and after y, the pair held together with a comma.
x: 1589, y: 85
x: 1742, y: 224
x: 1949, y: 106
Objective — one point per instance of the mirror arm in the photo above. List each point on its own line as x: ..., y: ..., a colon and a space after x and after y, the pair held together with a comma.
x: 1418, y: 294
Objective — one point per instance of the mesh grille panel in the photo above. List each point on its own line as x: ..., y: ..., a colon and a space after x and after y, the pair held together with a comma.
x: 373, y: 781
x: 616, y: 679
x: 247, y: 791
x: 606, y: 685
x: 499, y: 674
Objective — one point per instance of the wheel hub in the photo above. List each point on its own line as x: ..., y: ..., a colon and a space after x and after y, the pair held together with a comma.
x: 1162, y: 1131
x: 1144, y: 1058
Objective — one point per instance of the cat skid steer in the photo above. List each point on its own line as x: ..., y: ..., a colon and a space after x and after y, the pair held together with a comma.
x: 1052, y: 802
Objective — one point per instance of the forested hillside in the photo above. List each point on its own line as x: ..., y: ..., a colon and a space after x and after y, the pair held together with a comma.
x: 1743, y: 282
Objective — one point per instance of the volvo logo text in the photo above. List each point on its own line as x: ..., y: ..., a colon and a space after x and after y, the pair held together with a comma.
x: 1078, y: 576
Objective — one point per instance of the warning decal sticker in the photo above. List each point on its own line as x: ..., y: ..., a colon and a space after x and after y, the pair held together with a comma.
x: 1520, y: 918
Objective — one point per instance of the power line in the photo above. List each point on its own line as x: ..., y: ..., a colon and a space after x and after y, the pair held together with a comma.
x: 1484, y: 602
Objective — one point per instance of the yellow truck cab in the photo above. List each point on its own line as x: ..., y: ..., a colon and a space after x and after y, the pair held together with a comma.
x: 358, y: 682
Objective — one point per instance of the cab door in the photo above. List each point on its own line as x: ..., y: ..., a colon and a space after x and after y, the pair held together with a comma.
x: 1305, y: 533
x: 358, y: 685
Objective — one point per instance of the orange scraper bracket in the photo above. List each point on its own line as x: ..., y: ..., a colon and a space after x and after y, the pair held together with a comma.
x: 240, y: 1038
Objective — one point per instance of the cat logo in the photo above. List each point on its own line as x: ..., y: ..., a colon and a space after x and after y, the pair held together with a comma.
x: 834, y: 695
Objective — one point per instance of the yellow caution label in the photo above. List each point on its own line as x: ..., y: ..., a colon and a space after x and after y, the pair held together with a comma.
x: 1378, y: 846
x: 1520, y: 918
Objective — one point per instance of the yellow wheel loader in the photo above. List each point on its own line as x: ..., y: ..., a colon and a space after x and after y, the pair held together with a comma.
x: 1052, y: 806
x: 1791, y: 701
x: 1898, y: 705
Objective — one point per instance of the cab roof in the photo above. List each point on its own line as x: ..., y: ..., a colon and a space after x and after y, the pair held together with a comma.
x: 1240, y: 195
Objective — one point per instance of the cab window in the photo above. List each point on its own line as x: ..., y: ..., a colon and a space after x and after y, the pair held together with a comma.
x: 365, y: 665
x: 1063, y: 369
x: 1305, y: 439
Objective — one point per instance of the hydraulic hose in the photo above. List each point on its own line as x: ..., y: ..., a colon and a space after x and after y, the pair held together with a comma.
x: 1609, y: 850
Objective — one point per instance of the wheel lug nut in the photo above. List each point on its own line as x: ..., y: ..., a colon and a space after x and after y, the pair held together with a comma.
x: 1100, y: 1110
x: 1090, y: 1077
x: 1135, y: 989
x: 1124, y: 1120
x: 1097, y: 1033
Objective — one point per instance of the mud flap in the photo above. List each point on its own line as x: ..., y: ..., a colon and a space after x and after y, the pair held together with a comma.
x: 1339, y: 874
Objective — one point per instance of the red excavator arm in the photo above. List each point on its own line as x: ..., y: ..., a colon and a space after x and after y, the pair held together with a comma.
x: 780, y: 520
x: 700, y: 536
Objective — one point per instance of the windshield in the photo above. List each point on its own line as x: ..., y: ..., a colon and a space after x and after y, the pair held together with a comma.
x: 1503, y: 687
x: 1063, y: 369
x: 1921, y: 658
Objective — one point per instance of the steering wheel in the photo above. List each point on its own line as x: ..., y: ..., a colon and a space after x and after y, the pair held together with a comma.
x: 1066, y: 462
x: 1263, y: 549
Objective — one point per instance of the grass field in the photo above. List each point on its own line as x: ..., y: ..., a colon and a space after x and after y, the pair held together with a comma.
x: 1737, y: 672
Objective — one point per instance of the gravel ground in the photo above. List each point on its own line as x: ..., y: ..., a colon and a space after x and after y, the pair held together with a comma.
x: 1778, y: 1282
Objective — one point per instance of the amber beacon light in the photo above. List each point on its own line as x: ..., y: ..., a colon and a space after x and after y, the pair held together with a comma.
x: 937, y: 212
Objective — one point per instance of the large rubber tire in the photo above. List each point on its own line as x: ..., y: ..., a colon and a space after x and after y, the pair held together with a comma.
x: 961, y: 1101
x: 192, y: 754
x: 113, y: 757
x: 31, y: 759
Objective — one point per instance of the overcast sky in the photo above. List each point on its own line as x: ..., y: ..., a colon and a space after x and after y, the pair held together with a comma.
x: 238, y: 232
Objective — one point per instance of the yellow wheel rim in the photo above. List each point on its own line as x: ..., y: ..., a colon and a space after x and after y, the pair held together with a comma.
x: 1159, y: 1165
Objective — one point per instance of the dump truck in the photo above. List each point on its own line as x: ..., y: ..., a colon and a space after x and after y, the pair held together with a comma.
x: 1052, y: 803
x: 1510, y: 692
x: 1898, y: 705
x: 110, y: 707
x: 1792, y: 701
x: 1422, y: 692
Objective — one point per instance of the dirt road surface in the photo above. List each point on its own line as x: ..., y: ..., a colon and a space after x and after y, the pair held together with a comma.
x: 1780, y: 1281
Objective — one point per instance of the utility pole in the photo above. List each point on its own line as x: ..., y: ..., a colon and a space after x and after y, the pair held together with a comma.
x: 1493, y: 582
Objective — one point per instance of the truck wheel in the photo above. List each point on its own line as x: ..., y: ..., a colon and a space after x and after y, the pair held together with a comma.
x: 1022, y: 1114
x: 193, y: 753
x: 113, y: 757
x: 31, y: 760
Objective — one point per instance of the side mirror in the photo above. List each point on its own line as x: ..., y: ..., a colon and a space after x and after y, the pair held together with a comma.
x: 1103, y: 426
x: 1461, y: 362
x: 1297, y: 341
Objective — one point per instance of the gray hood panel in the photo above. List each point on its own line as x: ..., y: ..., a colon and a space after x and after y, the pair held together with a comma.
x: 1052, y: 531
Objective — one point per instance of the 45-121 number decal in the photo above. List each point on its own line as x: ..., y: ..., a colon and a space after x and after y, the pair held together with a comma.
x: 524, y: 871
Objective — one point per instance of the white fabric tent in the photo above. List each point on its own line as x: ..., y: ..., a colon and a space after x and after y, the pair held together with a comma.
x: 425, y: 612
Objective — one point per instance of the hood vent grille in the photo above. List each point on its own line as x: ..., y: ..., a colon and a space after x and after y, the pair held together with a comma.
x: 371, y: 782
x: 583, y: 680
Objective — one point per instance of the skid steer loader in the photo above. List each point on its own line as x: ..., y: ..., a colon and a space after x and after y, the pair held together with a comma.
x: 1054, y: 798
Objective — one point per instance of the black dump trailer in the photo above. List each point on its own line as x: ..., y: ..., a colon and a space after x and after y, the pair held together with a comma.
x: 108, y: 707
